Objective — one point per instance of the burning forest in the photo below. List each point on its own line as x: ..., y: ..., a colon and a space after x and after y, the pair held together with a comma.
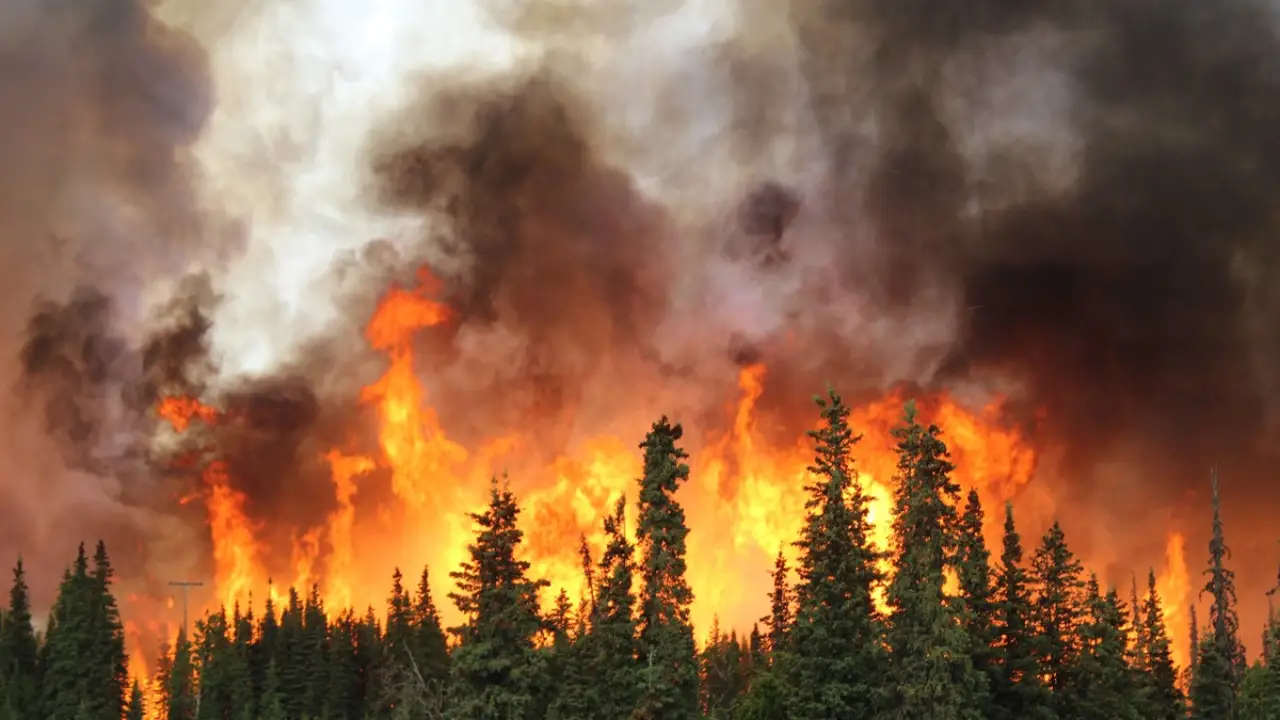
x: 288, y: 286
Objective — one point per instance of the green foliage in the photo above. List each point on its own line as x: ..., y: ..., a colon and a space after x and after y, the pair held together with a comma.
x: 669, y: 672
x: 1160, y: 695
x: 1018, y: 691
x: 931, y: 660
x: 834, y: 665
x: 1220, y: 659
x: 19, y: 678
x: 1057, y: 613
x: 497, y: 671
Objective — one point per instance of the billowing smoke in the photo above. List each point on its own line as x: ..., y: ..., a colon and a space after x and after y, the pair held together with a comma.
x: 1064, y: 202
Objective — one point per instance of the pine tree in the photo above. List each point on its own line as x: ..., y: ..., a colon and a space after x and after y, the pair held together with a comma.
x: 108, y: 671
x: 835, y: 661
x: 669, y: 679
x: 1160, y: 695
x: 430, y: 647
x: 68, y: 641
x: 1221, y: 660
x: 1100, y: 684
x: 1193, y: 646
x: 932, y: 672
x: 973, y: 561
x: 497, y: 671
x: 18, y: 650
x: 723, y: 674
x: 272, y: 701
x: 780, y: 607
x: 1018, y: 693
x: 180, y: 688
x: 136, y: 709
x: 345, y: 695
x: 290, y: 657
x: 1256, y: 702
x: 614, y: 643
x: 1057, y: 612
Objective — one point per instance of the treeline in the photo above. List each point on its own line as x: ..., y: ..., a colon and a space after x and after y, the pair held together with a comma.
x: 954, y: 631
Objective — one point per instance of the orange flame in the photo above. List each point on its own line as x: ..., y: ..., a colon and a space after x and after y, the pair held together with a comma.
x: 744, y: 500
x: 1173, y: 584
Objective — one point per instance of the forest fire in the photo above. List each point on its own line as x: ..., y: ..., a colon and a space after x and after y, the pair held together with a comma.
x: 745, y: 500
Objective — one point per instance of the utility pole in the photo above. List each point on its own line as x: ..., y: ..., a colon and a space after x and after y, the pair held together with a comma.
x: 185, y: 585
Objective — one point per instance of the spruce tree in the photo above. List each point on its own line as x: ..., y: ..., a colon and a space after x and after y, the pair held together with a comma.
x: 1100, y: 683
x: 1160, y: 694
x: 1256, y: 701
x: 614, y: 642
x: 1018, y: 693
x: 1193, y: 646
x: 180, y: 687
x: 1221, y: 659
x: 345, y: 695
x: 430, y: 647
x: 723, y: 674
x: 1269, y: 676
x: 834, y: 666
x: 1057, y: 612
x: 669, y: 675
x: 497, y: 670
x: 780, y: 607
x: 18, y: 650
x: 108, y: 670
x: 68, y: 642
x: 137, y: 709
x: 932, y: 673
x: 973, y: 572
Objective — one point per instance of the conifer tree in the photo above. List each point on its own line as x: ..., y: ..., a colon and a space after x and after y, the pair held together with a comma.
x: 136, y: 709
x: 973, y: 570
x: 68, y: 641
x: 180, y: 688
x: 1255, y: 702
x: 1018, y: 693
x: 614, y: 643
x: 669, y: 675
x: 1193, y: 646
x: 930, y: 651
x: 18, y: 650
x: 497, y: 671
x: 313, y: 651
x: 1057, y: 612
x: 1100, y: 684
x: 1160, y: 696
x: 1269, y: 675
x: 780, y: 607
x: 1221, y: 659
x: 345, y: 695
x: 272, y: 701
x: 834, y: 665
x: 430, y: 647
x: 723, y: 674
x: 108, y: 671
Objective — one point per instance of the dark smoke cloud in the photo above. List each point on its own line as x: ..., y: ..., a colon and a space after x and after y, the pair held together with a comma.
x: 1131, y: 305
x: 98, y: 102
x: 1113, y: 261
x: 546, y: 238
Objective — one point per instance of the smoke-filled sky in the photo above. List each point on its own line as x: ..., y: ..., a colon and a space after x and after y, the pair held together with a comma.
x: 1070, y: 203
